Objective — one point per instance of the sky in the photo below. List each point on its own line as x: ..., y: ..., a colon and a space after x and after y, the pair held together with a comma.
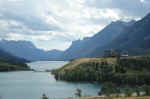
x: 54, y: 24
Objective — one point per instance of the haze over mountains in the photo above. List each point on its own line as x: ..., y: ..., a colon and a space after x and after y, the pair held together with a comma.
x: 27, y: 50
x: 133, y: 36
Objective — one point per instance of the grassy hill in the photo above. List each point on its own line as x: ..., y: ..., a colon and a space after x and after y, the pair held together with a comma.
x: 123, y: 71
x: 76, y: 63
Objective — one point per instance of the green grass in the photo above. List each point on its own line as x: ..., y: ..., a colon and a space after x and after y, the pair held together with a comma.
x: 76, y: 63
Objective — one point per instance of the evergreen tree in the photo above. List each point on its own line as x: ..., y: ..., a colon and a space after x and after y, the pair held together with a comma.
x: 146, y: 88
x: 78, y: 92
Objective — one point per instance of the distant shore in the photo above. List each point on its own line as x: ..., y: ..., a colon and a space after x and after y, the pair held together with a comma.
x: 6, y: 66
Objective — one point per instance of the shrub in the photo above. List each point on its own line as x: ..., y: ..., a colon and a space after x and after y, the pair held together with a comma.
x: 107, y: 89
x: 78, y: 92
x: 128, y: 92
x: 146, y: 89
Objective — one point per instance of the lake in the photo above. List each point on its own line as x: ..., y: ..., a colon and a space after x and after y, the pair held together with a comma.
x: 31, y: 85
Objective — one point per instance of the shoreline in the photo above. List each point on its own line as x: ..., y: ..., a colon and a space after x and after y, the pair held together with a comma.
x: 102, y: 97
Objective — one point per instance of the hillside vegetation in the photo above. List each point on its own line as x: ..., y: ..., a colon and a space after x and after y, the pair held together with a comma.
x: 9, y: 62
x: 123, y: 71
x: 76, y: 63
x: 11, y: 66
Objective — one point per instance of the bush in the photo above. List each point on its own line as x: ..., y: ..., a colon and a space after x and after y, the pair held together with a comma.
x: 107, y: 89
x: 78, y: 92
x: 128, y: 92
x: 146, y: 89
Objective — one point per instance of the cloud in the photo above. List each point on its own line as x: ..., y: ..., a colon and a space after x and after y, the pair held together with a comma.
x: 24, y: 11
x: 60, y: 22
x: 134, y: 8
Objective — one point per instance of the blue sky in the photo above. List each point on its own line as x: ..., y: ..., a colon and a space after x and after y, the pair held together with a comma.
x: 54, y: 24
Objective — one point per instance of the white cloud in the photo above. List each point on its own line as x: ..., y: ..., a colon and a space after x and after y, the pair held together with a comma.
x: 14, y: 36
x: 142, y: 0
x: 62, y: 21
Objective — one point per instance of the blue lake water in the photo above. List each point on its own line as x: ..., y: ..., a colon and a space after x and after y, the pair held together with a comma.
x: 31, y: 85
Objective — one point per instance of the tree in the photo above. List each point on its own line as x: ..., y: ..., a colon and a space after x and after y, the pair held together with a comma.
x: 107, y: 89
x: 128, y: 92
x: 117, y: 91
x: 78, y: 92
x: 44, y: 96
x: 146, y: 88
x: 137, y: 90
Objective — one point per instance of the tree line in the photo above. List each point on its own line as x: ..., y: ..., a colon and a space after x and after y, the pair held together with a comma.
x: 126, y: 71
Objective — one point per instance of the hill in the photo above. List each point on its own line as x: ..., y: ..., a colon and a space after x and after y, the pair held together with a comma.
x: 5, y: 56
x: 76, y: 63
x: 9, y: 62
x: 11, y: 66
x: 124, y: 71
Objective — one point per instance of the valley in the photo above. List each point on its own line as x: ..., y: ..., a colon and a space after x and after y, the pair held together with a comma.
x: 114, y: 61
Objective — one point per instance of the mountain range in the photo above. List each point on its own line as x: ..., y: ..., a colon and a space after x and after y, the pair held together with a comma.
x: 133, y: 37
x: 28, y: 51
x: 82, y: 48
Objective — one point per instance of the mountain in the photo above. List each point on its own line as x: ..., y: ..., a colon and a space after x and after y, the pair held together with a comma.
x: 134, y: 39
x: 5, y: 56
x: 9, y: 62
x: 82, y: 48
x: 55, y: 54
x: 27, y: 50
